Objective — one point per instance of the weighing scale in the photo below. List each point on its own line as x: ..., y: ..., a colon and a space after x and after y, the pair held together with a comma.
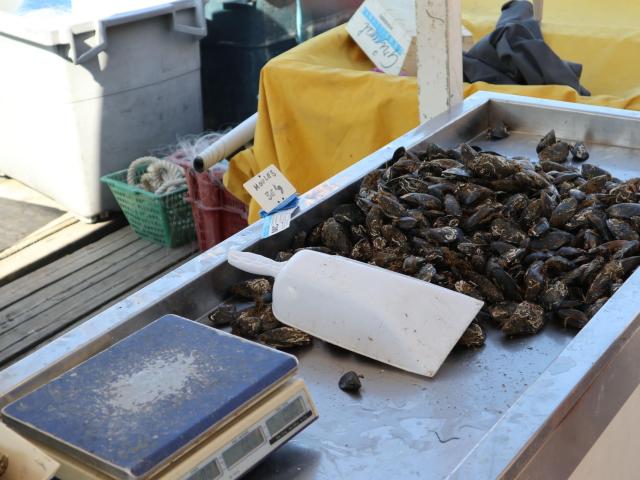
x: 174, y: 400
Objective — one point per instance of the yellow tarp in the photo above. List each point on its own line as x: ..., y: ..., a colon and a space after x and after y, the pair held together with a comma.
x: 322, y: 108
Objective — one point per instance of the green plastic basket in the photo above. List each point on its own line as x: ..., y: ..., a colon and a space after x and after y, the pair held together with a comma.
x: 164, y: 218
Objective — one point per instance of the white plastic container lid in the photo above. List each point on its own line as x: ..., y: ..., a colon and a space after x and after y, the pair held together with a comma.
x: 57, y: 22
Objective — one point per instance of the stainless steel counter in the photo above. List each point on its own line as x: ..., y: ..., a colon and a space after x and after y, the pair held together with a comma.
x: 488, y: 412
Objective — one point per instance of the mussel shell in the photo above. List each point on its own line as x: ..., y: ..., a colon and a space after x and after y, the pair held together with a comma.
x: 285, y: 337
x: 362, y: 250
x: 558, y: 152
x: 473, y: 337
x: 349, y: 214
x: 527, y: 318
x: 579, y: 152
x: 426, y: 273
x: 570, y: 317
x: 336, y: 237
x: 422, y: 200
x: 624, y: 210
x: 546, y: 141
x: 621, y: 230
x: 552, y: 240
x: 498, y: 132
x: 563, y: 212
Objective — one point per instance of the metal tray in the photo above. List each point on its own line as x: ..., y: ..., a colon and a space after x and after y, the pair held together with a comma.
x: 501, y: 410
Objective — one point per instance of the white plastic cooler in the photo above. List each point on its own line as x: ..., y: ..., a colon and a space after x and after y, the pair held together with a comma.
x: 87, y: 86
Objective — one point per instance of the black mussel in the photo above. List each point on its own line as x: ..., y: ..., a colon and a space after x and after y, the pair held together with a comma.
x: 553, y: 294
x: 569, y: 252
x: 557, y: 265
x: 336, y: 237
x: 552, y: 240
x: 536, y: 256
x: 498, y: 132
x: 505, y: 230
x: 314, y: 239
x: 565, y: 177
x: 473, y: 337
x: 350, y: 382
x: 534, y: 280
x: 412, y: 263
x: 563, y: 212
x: 348, y: 214
x: 589, y: 171
x: 548, y: 166
x: 283, y: 256
x: 394, y: 237
x: 389, y: 204
x: 579, y: 152
x: 488, y: 290
x: 594, y: 184
x: 486, y: 165
x: 578, y: 195
x: 470, y: 193
x: 595, y: 306
x: 526, y: 319
x: 530, y: 180
x: 573, y: 318
x: 223, y: 315
x: 444, y: 234
x: 558, y: 152
x: 624, y: 210
x: 362, y: 250
x: 359, y: 231
x: 501, y: 312
x: 374, y: 221
x: 285, y: 337
x: 451, y: 206
x: 426, y: 273
x: 482, y: 216
x: 422, y: 200
x: 252, y: 289
x: 546, y: 141
x: 468, y: 288
x: 405, y: 223
x: 621, y: 230
x: 540, y: 227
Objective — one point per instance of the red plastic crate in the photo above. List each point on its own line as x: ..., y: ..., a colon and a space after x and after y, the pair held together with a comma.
x: 216, y: 213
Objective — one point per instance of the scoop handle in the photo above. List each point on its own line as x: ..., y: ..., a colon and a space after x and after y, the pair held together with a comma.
x: 253, y: 263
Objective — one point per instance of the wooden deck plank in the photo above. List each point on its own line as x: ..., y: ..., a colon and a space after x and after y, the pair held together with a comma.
x: 63, y: 221
x: 113, y: 301
x: 53, y: 247
x: 125, y: 270
x: 61, y: 268
x: 73, y: 285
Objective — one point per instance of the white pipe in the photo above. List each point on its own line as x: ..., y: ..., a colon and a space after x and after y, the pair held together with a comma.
x: 226, y: 145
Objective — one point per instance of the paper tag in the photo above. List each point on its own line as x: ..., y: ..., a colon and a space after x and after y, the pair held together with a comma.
x: 276, y: 222
x: 270, y: 188
x: 381, y: 35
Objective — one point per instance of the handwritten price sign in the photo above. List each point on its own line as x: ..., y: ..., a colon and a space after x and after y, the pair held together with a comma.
x: 270, y: 188
x: 381, y: 36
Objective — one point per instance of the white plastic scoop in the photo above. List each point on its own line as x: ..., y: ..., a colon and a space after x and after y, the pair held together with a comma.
x: 393, y: 318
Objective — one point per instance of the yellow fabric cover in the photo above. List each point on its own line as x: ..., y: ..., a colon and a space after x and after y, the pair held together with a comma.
x: 322, y: 108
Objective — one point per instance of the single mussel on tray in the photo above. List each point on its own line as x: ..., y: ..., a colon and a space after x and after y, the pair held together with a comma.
x: 536, y: 241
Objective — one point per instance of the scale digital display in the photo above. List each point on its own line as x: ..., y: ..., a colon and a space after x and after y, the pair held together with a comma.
x: 285, y: 416
x: 243, y: 447
x: 210, y: 471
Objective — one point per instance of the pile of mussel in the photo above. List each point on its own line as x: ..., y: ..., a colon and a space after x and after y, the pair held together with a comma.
x: 537, y: 242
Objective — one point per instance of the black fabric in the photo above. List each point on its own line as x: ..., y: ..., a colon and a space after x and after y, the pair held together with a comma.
x: 515, y: 54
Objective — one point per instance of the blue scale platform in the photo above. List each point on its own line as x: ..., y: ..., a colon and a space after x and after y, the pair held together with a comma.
x: 129, y: 408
